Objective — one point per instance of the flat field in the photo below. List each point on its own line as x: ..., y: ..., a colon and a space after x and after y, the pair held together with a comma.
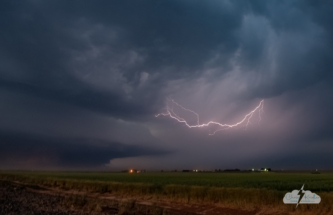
x: 234, y: 190
x: 269, y: 180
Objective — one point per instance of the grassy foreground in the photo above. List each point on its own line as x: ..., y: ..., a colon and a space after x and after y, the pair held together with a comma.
x: 237, y: 190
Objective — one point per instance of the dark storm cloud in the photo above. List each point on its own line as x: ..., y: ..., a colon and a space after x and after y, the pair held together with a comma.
x: 175, y: 33
x: 80, y: 95
x: 121, y: 59
x: 175, y: 39
x: 303, y: 45
x: 41, y: 36
x: 27, y: 150
x: 33, y: 50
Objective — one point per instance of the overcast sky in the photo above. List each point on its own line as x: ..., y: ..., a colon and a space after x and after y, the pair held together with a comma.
x: 82, y: 81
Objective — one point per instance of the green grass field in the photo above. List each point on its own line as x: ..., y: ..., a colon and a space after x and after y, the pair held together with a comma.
x: 246, y: 190
x: 269, y: 180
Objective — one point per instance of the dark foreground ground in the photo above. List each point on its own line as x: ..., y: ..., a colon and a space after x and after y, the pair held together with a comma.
x: 25, y: 199
x: 16, y: 199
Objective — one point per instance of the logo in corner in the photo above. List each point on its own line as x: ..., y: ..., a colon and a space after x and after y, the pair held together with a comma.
x: 301, y: 197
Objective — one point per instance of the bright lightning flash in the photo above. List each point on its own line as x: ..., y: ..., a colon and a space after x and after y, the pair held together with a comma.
x: 245, y: 121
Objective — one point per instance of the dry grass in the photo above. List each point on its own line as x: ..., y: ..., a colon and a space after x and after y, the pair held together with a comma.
x: 244, y: 198
x: 125, y: 207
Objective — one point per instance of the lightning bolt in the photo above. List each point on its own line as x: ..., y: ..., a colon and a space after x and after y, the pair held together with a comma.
x: 171, y: 113
x: 301, y: 193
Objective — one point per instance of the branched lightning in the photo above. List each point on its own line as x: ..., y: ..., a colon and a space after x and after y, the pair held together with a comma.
x: 171, y: 113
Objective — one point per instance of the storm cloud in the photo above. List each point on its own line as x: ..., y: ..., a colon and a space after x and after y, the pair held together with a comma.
x: 92, y: 74
x: 27, y: 151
